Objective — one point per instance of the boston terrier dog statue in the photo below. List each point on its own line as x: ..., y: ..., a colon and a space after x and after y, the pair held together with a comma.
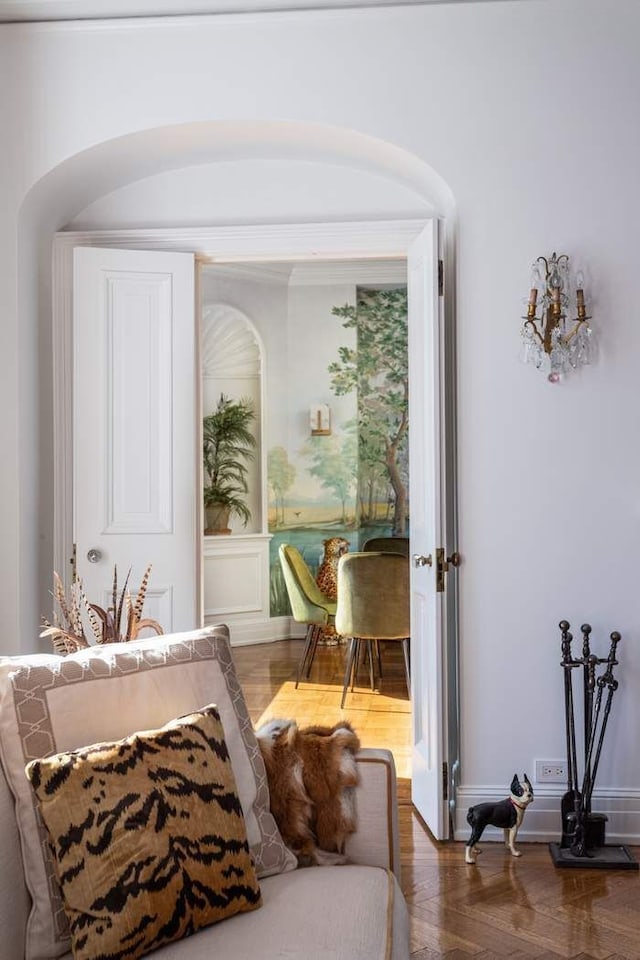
x: 507, y: 814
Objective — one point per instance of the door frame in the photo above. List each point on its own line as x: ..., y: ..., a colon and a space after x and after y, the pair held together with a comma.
x: 355, y: 240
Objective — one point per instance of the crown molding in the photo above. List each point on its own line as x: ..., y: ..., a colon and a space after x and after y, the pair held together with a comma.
x: 275, y: 274
x: 269, y: 243
x: 46, y: 11
x: 359, y: 272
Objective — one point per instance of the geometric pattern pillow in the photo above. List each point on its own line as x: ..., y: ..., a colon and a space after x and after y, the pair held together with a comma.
x: 51, y: 704
x: 148, y: 837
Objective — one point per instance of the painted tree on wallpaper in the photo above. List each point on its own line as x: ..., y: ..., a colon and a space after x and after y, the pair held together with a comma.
x: 335, y: 464
x: 373, y: 483
x: 353, y: 482
x: 378, y: 370
x: 282, y: 475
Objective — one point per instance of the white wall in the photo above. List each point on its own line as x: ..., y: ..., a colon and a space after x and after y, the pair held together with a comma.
x: 250, y: 191
x: 528, y: 111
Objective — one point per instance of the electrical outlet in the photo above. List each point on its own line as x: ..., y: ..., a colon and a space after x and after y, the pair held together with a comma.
x: 551, y: 771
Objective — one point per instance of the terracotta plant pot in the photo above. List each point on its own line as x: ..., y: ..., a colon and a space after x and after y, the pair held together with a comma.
x: 217, y: 520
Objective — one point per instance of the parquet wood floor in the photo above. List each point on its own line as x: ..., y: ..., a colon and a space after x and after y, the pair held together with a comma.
x: 502, y: 908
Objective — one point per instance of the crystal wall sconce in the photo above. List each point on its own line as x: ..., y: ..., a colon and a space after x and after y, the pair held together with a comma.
x: 556, y: 334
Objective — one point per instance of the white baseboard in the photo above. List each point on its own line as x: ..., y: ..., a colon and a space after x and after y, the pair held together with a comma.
x: 542, y: 822
x: 261, y: 630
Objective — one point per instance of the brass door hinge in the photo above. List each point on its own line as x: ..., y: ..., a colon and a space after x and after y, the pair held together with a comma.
x: 74, y: 563
x: 445, y: 780
x: 442, y: 566
x: 441, y: 278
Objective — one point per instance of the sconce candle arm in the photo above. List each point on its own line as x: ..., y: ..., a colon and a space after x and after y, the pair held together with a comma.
x: 578, y: 324
x: 531, y: 323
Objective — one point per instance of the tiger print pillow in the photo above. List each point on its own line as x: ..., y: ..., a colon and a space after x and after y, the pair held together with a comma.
x: 148, y: 837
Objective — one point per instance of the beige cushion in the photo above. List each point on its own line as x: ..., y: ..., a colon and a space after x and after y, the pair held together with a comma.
x: 52, y: 704
x: 148, y: 837
x: 316, y: 913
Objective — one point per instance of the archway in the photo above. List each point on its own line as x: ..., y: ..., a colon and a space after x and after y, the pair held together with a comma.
x: 79, y: 181
x: 118, y: 164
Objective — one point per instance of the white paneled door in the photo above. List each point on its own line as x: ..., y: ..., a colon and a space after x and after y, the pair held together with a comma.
x: 135, y: 440
x: 426, y: 412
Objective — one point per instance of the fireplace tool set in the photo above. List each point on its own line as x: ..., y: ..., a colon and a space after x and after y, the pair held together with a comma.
x: 583, y: 832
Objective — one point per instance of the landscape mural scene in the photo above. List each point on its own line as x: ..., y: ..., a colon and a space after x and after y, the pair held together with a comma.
x: 352, y: 479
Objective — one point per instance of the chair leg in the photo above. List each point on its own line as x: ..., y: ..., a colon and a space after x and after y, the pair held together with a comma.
x: 356, y: 664
x: 370, y: 650
x: 350, y: 667
x: 307, y: 646
x: 378, y: 657
x: 407, y: 667
x: 318, y: 632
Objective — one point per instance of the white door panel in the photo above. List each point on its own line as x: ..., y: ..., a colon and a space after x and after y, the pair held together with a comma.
x: 425, y: 467
x: 135, y: 438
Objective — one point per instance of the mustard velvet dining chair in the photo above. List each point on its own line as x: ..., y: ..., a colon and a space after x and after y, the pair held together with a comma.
x: 308, y: 603
x: 373, y: 605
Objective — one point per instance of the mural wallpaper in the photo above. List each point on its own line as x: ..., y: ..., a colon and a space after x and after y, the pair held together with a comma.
x: 360, y: 467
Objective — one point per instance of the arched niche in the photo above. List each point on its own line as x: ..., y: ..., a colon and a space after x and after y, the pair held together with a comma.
x: 231, y: 355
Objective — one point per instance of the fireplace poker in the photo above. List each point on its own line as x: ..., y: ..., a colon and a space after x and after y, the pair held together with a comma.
x: 607, y: 679
x: 571, y: 798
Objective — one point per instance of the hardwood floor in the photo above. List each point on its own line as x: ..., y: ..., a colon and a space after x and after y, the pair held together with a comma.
x: 517, y: 909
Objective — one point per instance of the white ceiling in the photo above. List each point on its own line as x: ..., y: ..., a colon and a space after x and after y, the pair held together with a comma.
x: 20, y: 11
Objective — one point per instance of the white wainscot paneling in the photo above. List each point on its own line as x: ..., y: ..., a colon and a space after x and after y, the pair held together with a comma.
x: 236, y: 585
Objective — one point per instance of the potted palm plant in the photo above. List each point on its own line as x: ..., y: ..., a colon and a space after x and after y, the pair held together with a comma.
x: 227, y: 446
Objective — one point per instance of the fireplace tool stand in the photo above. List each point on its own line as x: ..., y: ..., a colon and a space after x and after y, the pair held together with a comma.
x: 583, y: 832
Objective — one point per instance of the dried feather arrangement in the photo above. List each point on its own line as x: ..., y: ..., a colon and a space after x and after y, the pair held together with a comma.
x: 67, y: 632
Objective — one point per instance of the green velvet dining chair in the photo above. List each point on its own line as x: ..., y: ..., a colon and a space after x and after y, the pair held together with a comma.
x: 387, y: 545
x: 373, y: 605
x: 308, y: 604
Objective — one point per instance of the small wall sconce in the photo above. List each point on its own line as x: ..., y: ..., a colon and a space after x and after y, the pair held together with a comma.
x: 553, y: 340
x: 320, y: 420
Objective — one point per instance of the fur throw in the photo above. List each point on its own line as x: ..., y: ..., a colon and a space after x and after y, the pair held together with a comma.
x: 312, y: 777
